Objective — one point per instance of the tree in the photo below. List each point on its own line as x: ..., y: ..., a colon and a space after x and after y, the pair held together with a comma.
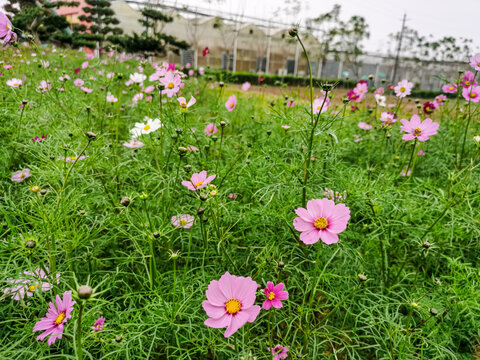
x: 38, y: 18
x: 350, y: 43
x: 101, y: 17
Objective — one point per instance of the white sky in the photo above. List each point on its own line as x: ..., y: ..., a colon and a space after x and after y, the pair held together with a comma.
x: 458, y: 18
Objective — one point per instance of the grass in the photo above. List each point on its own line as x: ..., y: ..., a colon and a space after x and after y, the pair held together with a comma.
x: 152, y: 305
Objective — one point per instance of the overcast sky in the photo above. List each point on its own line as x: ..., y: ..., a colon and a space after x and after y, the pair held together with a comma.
x: 440, y: 18
x: 458, y: 18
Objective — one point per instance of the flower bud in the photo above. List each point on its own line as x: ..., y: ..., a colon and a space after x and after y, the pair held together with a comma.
x: 84, y: 292
x: 35, y: 188
x: 30, y: 244
x: 281, y: 264
x: 223, y: 123
x: 188, y: 168
x: 43, y: 191
x: 182, y: 151
x: 433, y: 312
x: 156, y: 234
x: 24, y: 102
x: 200, y: 211
x: 125, y: 201
x: 362, y: 277
x: 221, y: 84
x: 214, y: 138
x: 269, y: 132
x: 292, y: 32
x: 370, y: 77
x: 91, y: 135
x: 118, y: 338
x: 426, y: 244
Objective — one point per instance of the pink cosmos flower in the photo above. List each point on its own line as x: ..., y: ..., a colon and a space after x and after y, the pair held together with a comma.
x: 191, y: 72
x: 379, y: 91
x: 183, y: 102
x: 133, y: 144
x: 137, y: 97
x: 322, y: 104
x: 210, y: 129
x: 72, y: 158
x: 44, y: 86
x: 20, y: 175
x: 86, y: 90
x: 15, y: 83
x: 406, y: 172
x: 231, y: 103
x: 449, y: 88
x: 64, y: 78
x: 364, y: 126
x: 98, y: 326
x: 192, y: 148
x: 44, y: 63
x: 471, y: 94
x: 403, y: 88
x: 416, y: 129
x: 440, y: 100
x: 78, y: 82
x: 55, y: 319
x: 111, y: 98
x: 246, y: 85
x: 149, y: 89
x: 230, y: 303
x: 7, y: 66
x: 184, y: 221
x: 322, y: 219
x: 198, y: 181
x: 6, y: 32
x: 361, y: 90
x: 286, y: 127
x: 279, y: 352
x: 290, y: 104
x: 468, y: 79
x: 275, y: 295
x: 232, y: 196
x: 475, y: 62
x: 421, y: 153
x: 171, y: 82
x: 387, y: 118
x: 85, y: 65
x: 39, y: 139
x: 28, y: 282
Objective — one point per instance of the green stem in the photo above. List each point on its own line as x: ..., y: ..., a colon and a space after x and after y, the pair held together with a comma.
x: 78, y: 333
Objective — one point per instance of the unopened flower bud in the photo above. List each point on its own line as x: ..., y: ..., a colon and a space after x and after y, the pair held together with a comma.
x: 156, y: 234
x: 203, y: 197
x: 24, y: 102
x: 91, y: 135
x: 223, y: 123
x: 84, y: 292
x: 30, y: 244
x: 200, y: 211
x: 426, y: 244
x: 188, y: 168
x: 179, y: 131
x: 35, y: 188
x: 118, y: 338
x: 214, y: 138
x: 362, y: 277
x: 43, y: 191
x: 269, y: 132
x: 182, y: 151
x: 433, y: 312
x: 281, y: 264
x: 221, y: 84
x: 292, y: 32
x: 125, y: 201
x: 370, y: 77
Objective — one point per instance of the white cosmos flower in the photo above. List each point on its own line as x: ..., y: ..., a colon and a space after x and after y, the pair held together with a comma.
x: 138, y: 78
x: 380, y: 99
x: 142, y: 128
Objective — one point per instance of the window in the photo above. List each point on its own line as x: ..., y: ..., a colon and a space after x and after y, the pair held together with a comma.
x: 261, y: 64
x: 227, y: 59
x: 187, y: 56
x: 290, y: 66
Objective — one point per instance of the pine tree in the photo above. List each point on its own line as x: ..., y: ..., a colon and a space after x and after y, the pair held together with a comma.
x: 101, y: 17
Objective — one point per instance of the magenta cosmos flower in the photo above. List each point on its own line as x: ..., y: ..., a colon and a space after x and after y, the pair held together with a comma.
x: 184, y: 221
x: 468, y: 79
x: 416, y: 129
x: 475, y: 62
x: 471, y: 94
x: 171, y: 82
x: 322, y: 219
x: 230, y: 303
x: 279, y: 352
x: 20, y: 175
x: 403, y: 88
x: 98, y: 326
x: 210, y: 129
x: 55, y: 319
x: 275, y: 295
x: 198, y: 181
x: 231, y: 103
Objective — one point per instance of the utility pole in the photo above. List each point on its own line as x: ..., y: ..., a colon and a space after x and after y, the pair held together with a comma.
x: 397, y: 57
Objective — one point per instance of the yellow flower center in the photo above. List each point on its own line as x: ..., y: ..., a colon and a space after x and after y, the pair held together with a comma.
x: 146, y: 127
x: 183, y: 222
x: 232, y: 105
x: 450, y: 88
x: 473, y: 95
x: 402, y: 89
x: 170, y: 86
x: 478, y: 64
x: 73, y: 158
x: 321, y: 223
x: 183, y: 105
x: 198, y: 184
x: 467, y: 83
x: 271, y: 295
x: 233, y: 306
x: 134, y: 143
x: 417, y: 131
x: 211, y: 130
x: 60, y: 318
x: 22, y: 176
x: 32, y: 287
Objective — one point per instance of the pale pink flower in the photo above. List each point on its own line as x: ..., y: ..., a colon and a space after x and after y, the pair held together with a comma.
x: 246, y: 85
x: 6, y: 32
x: 475, y: 62
x: 387, y: 118
x: 286, y: 127
x: 232, y: 196
x: 171, y: 82
x: 231, y: 103
x: 449, y: 88
x: 403, y: 88
x: 20, y: 175
x: 421, y: 153
x: 133, y: 144
x: 416, y: 129
x: 15, y: 83
x: 184, y: 221
x: 86, y: 90
x: 44, y: 86
x: 471, y: 94
x: 183, y: 102
x: 379, y: 91
x: 468, y: 79
x: 78, y: 82
x: 279, y: 352
x: 210, y: 129
x: 111, y: 98
x: 192, y: 148
x: 364, y: 126
x: 322, y: 219
x: 84, y: 64
x: 198, y: 181
x: 322, y: 104
x: 28, y: 282
x: 55, y: 319
x: 149, y: 89
x: 230, y: 303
